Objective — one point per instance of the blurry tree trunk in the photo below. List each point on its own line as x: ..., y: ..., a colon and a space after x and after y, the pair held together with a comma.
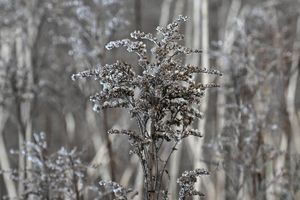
x: 283, y: 162
x: 138, y: 14
x: 91, y: 119
x: 229, y: 38
x: 176, y: 159
x: 165, y: 12
x: 221, y: 174
x: 291, y: 93
x: 26, y: 52
x: 132, y: 168
x: 229, y: 35
x: 188, y: 39
x: 196, y: 29
x: 102, y: 154
x: 70, y: 126
x: 201, y: 19
x: 4, y: 159
x: 291, y: 102
x: 99, y: 142
x: 19, y: 106
x: 196, y: 143
x: 179, y: 6
x: 221, y: 101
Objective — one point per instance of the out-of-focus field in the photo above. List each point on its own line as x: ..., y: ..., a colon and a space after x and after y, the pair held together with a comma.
x: 251, y: 124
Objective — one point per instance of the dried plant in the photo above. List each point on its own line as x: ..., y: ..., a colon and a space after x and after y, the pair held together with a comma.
x: 258, y: 61
x: 60, y: 175
x: 187, y: 181
x: 163, y: 99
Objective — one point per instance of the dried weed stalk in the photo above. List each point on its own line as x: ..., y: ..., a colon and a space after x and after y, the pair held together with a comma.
x: 163, y: 99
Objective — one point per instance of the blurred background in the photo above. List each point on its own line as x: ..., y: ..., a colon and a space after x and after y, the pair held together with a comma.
x: 251, y: 127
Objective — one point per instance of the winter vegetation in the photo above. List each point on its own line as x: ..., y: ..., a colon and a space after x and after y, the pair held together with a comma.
x: 199, y: 101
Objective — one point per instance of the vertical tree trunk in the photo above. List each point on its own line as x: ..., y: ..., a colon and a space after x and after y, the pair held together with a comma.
x: 4, y: 158
x: 291, y: 92
x: 197, y: 142
x: 138, y: 14
x: 26, y: 38
x: 201, y: 18
x: 228, y: 38
x: 100, y: 143
x: 165, y: 12
x: 179, y: 6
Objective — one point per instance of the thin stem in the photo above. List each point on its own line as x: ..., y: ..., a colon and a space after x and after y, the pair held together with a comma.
x: 164, y: 168
x: 138, y: 118
x: 144, y: 164
x: 108, y: 146
x: 143, y: 158
x: 77, y: 193
x: 156, y: 166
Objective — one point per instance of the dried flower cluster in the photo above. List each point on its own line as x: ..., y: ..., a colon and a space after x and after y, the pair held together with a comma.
x: 60, y: 175
x: 164, y: 99
x: 120, y: 193
x: 56, y: 176
x: 187, y: 181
